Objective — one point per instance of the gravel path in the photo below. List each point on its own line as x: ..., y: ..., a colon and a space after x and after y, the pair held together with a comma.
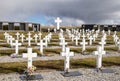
x: 4, y: 59
x: 87, y: 75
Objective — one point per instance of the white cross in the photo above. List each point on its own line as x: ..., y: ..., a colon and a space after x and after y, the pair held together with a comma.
x: 72, y: 37
x: 102, y: 43
x: 29, y: 55
x: 6, y: 34
x: 90, y: 40
x: 40, y: 34
x: 61, y: 39
x: 8, y: 39
x: 63, y: 43
x: 83, y: 43
x: 36, y: 36
x: 16, y: 44
x: 118, y: 44
x: 48, y: 30
x: 99, y: 54
x: 55, y: 30
x: 67, y: 55
x: 17, y: 34
x: 88, y: 34
x: 76, y: 40
x: 109, y: 32
x: 41, y: 46
x: 22, y: 38
x: 94, y: 37
x: 29, y: 39
x: 83, y: 36
x: 11, y: 40
x: 46, y: 41
x: 58, y: 21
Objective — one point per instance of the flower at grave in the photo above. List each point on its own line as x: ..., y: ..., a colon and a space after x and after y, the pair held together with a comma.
x: 32, y: 69
x: 13, y: 55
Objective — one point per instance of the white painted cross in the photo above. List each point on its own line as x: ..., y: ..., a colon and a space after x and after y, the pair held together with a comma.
x: 63, y: 43
x: 58, y: 21
x: 6, y: 34
x: 72, y: 36
x: 109, y: 32
x: 90, y: 40
x: 40, y: 34
x: 16, y: 44
x: 67, y: 55
x: 46, y: 41
x: 102, y: 43
x: 118, y: 44
x: 55, y: 30
x: 8, y: 39
x: 29, y: 55
x: 99, y: 54
x: 36, y: 36
x: 94, y: 37
x: 17, y: 34
x: 83, y: 43
x: 41, y: 46
x: 61, y: 39
x: 76, y: 40
x: 22, y: 37
x: 11, y: 40
x: 29, y: 39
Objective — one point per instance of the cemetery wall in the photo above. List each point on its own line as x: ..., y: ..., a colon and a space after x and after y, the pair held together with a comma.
x: 22, y: 26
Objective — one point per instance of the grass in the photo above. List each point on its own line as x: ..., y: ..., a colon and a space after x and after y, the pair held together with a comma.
x: 54, y: 51
x: 58, y: 64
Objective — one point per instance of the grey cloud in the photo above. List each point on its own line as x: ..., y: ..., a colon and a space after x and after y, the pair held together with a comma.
x: 71, y: 11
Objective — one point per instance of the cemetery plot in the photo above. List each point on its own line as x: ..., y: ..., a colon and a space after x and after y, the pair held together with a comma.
x: 82, y: 43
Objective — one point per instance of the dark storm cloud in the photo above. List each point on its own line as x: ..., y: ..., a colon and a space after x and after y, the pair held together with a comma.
x: 71, y: 11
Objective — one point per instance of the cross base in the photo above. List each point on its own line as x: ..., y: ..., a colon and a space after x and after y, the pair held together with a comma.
x: 69, y: 74
x: 107, y: 70
x: 31, y: 77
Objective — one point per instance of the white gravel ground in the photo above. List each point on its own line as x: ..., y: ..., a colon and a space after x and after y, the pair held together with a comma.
x: 87, y: 75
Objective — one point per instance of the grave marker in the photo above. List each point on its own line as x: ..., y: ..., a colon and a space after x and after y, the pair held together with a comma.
x: 16, y: 44
x: 83, y: 43
x: 17, y: 34
x: 29, y: 55
x: 90, y: 40
x: 76, y: 40
x: 63, y: 43
x: 29, y: 39
x: 35, y: 36
x: 67, y: 55
x: 58, y: 21
x: 22, y: 37
x: 41, y: 44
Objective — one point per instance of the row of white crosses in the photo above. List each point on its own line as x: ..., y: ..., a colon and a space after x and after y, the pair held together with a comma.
x: 16, y: 44
x: 83, y: 43
x: 41, y: 43
x: 9, y: 38
x: 29, y: 39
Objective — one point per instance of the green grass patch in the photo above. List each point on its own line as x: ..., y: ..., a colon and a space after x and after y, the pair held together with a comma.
x: 58, y: 64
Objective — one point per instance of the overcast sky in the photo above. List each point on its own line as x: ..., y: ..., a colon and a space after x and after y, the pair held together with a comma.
x: 72, y: 12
